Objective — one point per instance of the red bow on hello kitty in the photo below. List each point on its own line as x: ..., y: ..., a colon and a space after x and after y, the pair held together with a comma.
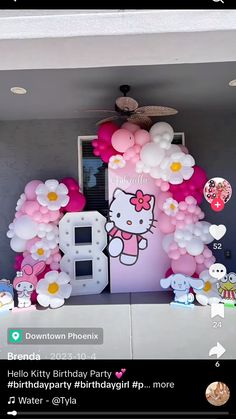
x: 141, y: 201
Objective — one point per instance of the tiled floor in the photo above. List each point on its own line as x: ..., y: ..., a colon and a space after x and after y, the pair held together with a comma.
x: 141, y: 325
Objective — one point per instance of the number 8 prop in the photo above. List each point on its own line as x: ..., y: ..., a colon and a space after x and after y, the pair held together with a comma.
x: 77, y: 253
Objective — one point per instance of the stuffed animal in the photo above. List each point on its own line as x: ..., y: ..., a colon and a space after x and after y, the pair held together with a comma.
x: 25, y: 283
x: 181, y: 285
x: 227, y: 286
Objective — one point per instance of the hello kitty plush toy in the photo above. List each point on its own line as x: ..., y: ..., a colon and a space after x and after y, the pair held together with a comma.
x: 25, y: 283
x: 131, y: 216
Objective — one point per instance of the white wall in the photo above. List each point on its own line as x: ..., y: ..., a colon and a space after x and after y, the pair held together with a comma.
x: 92, y: 39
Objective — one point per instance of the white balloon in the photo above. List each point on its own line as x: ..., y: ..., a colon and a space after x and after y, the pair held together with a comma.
x: 25, y: 227
x: 202, y: 299
x: 167, y: 241
x: 173, y: 149
x: 162, y: 129
x: 151, y: 154
x: 17, y: 244
x: 195, y: 247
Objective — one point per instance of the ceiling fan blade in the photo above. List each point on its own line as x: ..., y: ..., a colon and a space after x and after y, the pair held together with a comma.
x: 156, y: 110
x: 126, y: 103
x: 142, y: 120
x: 111, y: 118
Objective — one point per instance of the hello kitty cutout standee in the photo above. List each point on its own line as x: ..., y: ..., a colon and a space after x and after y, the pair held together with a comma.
x: 130, y: 216
x: 25, y: 283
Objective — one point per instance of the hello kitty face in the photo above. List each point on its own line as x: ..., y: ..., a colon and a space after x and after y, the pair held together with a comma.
x: 25, y: 286
x: 132, y: 213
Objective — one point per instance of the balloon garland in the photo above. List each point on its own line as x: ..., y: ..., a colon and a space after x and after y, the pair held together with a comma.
x: 34, y: 232
x: 179, y: 182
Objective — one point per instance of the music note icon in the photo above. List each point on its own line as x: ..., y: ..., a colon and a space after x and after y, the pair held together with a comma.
x: 12, y: 400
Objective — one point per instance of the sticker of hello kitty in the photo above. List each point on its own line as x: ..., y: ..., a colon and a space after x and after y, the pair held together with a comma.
x: 25, y: 283
x: 131, y: 216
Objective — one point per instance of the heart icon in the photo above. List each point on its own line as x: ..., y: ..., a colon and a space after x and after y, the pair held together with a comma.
x: 118, y: 374
x: 217, y: 231
x: 123, y: 370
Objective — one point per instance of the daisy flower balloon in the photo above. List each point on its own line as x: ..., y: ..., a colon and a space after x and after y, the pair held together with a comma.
x: 209, y: 293
x: 53, y: 289
x: 177, y: 167
x: 170, y: 207
x: 52, y: 195
x: 40, y: 250
x: 117, y: 162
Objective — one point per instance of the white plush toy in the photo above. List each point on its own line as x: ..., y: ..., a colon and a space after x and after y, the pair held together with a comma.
x: 181, y: 286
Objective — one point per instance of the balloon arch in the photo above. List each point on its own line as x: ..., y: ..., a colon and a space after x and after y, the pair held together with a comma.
x: 179, y: 183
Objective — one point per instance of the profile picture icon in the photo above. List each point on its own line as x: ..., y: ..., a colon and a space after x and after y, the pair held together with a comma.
x: 217, y: 188
x: 217, y: 393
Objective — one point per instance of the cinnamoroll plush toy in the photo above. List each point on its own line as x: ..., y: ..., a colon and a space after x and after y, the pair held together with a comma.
x: 6, y: 295
x: 181, y: 286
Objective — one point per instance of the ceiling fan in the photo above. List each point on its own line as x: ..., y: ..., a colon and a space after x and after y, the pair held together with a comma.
x: 127, y: 108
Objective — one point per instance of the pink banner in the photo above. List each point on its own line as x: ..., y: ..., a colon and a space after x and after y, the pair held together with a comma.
x: 137, y: 259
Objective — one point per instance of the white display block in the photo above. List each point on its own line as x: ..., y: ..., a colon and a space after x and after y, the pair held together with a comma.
x: 90, y: 254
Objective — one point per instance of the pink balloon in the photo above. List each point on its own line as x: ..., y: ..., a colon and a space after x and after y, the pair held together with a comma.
x: 30, y: 189
x: 200, y: 259
x: 207, y: 253
x: 54, y: 266
x: 168, y: 273
x: 57, y: 257
x: 28, y: 260
x: 199, y: 177
x: 162, y: 197
x: 18, y: 261
x: 130, y: 127
x: 106, y: 154
x: 165, y: 224
x: 31, y: 242
x: 183, y: 149
x: 43, y: 210
x: 42, y: 274
x: 71, y: 183
x: 200, y: 268
x: 76, y: 203
x: 106, y: 131
x: 174, y: 254
x: 122, y: 139
x: 186, y: 264
x: 142, y: 137
x: 180, y: 216
x: 192, y: 187
x: 165, y: 186
x: 30, y: 207
x: 53, y: 216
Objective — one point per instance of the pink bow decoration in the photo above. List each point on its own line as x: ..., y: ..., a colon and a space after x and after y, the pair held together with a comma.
x: 141, y: 201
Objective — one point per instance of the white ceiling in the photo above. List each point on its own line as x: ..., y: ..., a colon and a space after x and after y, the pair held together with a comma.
x: 66, y: 93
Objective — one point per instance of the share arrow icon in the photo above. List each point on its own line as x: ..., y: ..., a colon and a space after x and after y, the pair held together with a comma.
x: 217, y: 350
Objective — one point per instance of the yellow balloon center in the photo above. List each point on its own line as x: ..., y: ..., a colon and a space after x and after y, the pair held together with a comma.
x: 176, y: 166
x: 40, y: 251
x: 172, y: 207
x: 52, y: 196
x: 207, y: 287
x: 53, y: 288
